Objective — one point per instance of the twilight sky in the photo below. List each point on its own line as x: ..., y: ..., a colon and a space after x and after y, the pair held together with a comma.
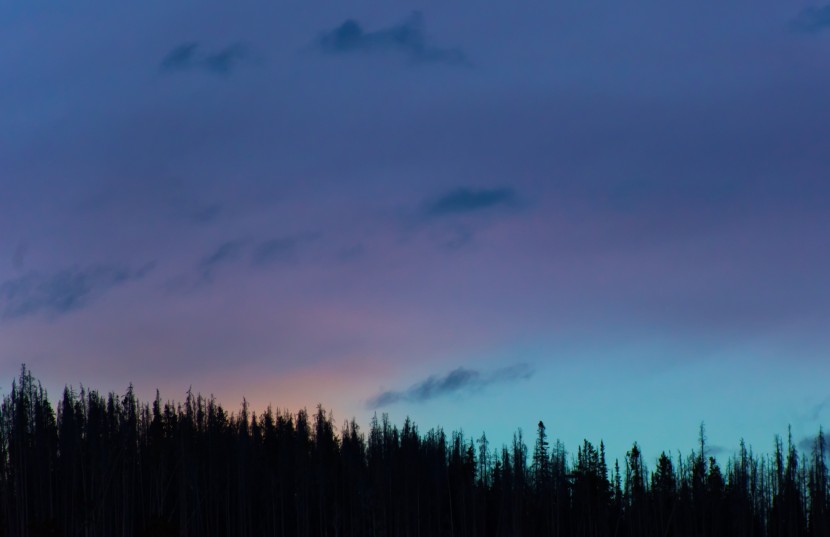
x: 612, y: 219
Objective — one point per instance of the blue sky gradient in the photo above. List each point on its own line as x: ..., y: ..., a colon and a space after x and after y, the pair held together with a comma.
x: 608, y: 218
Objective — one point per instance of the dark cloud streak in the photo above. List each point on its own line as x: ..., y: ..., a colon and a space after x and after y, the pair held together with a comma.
x: 180, y: 58
x: 465, y: 200
x: 261, y: 253
x: 62, y: 292
x: 186, y: 57
x: 226, y: 60
x: 227, y: 252
x: 19, y: 255
x: 807, y: 444
x: 819, y: 408
x: 207, y: 214
x: 279, y: 249
x: 813, y: 19
x: 456, y: 381
x: 407, y: 38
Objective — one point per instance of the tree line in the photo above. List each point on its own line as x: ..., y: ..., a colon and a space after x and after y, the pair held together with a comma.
x: 111, y: 465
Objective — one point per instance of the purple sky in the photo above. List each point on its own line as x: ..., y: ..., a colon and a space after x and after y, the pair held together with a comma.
x: 612, y: 219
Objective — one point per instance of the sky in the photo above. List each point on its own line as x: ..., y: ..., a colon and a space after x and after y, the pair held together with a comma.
x: 612, y: 219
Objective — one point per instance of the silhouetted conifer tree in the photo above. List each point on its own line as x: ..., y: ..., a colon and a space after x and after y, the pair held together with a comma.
x: 111, y: 465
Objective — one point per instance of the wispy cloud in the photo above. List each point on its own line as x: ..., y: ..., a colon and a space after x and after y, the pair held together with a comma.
x: 714, y: 450
x: 351, y: 253
x: 258, y: 253
x: 180, y: 58
x: 466, y: 200
x: 450, y: 238
x: 456, y: 381
x: 226, y: 60
x: 407, y: 38
x: 808, y: 443
x: 206, y: 214
x: 19, y: 255
x: 280, y: 249
x: 62, y: 292
x: 227, y: 252
x: 813, y: 19
x: 817, y: 410
x: 188, y: 57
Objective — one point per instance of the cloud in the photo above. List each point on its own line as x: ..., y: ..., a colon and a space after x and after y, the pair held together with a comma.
x: 808, y: 443
x: 816, y: 411
x: 458, y: 380
x: 226, y: 252
x: 62, y: 292
x: 264, y: 253
x: 281, y: 249
x: 813, y: 19
x: 273, y: 250
x: 407, y: 38
x: 715, y: 450
x: 351, y: 253
x: 465, y: 200
x: 224, y: 61
x: 453, y: 238
x: 187, y: 57
x: 19, y: 255
x: 180, y: 58
x: 194, y: 211
x: 206, y: 214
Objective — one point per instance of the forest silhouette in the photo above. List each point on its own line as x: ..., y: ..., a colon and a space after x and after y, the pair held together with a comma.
x: 111, y: 465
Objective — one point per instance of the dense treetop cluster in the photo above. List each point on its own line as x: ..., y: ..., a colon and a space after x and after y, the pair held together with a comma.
x: 113, y: 466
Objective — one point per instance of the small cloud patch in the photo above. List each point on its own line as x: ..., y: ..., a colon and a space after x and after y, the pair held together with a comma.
x: 810, y: 444
x: 227, y: 252
x: 188, y: 57
x: 457, y: 381
x: 180, y: 58
x: 226, y: 60
x: 274, y: 250
x: 62, y: 292
x: 260, y: 254
x: 19, y: 255
x: 206, y: 214
x: 813, y: 19
x: 407, y: 38
x: 466, y: 200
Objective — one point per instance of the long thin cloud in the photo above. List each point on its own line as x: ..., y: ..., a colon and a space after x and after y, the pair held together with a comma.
x: 468, y: 200
x: 813, y: 19
x: 407, y: 38
x: 188, y: 57
x: 456, y: 381
x: 63, y: 291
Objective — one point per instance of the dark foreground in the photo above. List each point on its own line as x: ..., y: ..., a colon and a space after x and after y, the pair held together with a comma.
x: 113, y: 466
